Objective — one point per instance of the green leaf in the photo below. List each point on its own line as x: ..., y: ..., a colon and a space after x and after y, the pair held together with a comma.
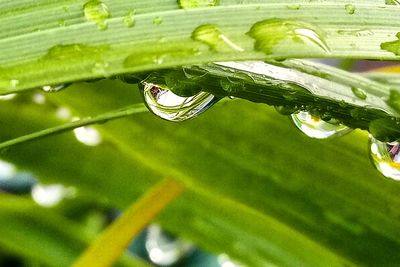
x: 259, y: 190
x: 61, y: 34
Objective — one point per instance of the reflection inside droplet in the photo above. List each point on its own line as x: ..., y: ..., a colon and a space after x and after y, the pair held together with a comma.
x: 315, y: 127
x: 164, y: 249
x: 169, y: 106
x: 385, y: 157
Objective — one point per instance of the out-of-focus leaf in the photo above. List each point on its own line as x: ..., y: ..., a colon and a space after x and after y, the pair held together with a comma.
x: 260, y: 191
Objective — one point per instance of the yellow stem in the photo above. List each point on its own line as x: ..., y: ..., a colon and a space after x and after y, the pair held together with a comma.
x: 112, y: 243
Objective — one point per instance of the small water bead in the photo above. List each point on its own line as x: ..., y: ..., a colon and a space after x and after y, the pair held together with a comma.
x: 164, y: 249
x: 55, y: 88
x: 269, y: 33
x: 358, y: 92
x: 197, y: 3
x: 96, y: 11
x: 212, y: 36
x: 157, y: 21
x: 385, y: 157
x: 129, y: 19
x: 315, y: 127
x: 171, y: 107
x: 350, y: 9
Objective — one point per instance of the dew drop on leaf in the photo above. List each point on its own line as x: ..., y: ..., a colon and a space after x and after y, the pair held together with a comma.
x: 271, y: 32
x: 197, y: 3
x: 358, y: 92
x: 350, y: 9
x: 385, y: 157
x: 55, y: 88
x: 129, y: 19
x: 96, y: 11
x: 163, y: 249
x: 212, y: 36
x: 157, y: 21
x: 315, y: 127
x: 171, y: 107
x: 393, y: 2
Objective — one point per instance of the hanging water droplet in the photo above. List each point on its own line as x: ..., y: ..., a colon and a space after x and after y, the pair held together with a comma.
x: 88, y: 135
x: 271, y: 32
x: 55, y: 88
x: 96, y: 11
x: 129, y: 19
x: 164, y: 249
x: 358, y: 92
x: 315, y: 127
x: 169, y: 106
x: 51, y: 195
x: 385, y: 157
x: 350, y: 9
x: 213, y: 37
x: 197, y: 3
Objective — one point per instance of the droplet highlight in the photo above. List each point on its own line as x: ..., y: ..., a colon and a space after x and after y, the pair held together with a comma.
x: 385, y: 157
x: 96, y: 11
x: 186, y: 4
x: 171, y: 107
x: 268, y: 34
x: 315, y: 127
x: 55, y: 88
x: 163, y: 249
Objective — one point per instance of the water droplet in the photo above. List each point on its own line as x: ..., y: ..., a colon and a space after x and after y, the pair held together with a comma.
x: 393, y: 46
x: 294, y: 6
x: 269, y: 33
x: 350, y: 8
x: 157, y: 21
x: 51, y: 195
x: 96, y: 11
x: 393, y: 2
x: 62, y: 23
x: 39, y: 99
x: 315, y: 127
x: 385, y: 157
x: 385, y: 129
x: 7, y: 97
x: 169, y: 106
x: 225, y: 261
x: 213, y: 37
x: 55, y: 88
x: 88, y: 135
x: 197, y: 3
x: 164, y: 249
x: 358, y: 92
x: 129, y: 19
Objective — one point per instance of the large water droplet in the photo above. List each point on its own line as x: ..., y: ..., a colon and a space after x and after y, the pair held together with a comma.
x: 164, y: 249
x: 213, y: 37
x: 385, y: 157
x: 169, y: 106
x: 55, y: 88
x: 315, y: 127
x: 96, y: 11
x: 271, y: 32
x: 197, y: 3
x: 350, y: 9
